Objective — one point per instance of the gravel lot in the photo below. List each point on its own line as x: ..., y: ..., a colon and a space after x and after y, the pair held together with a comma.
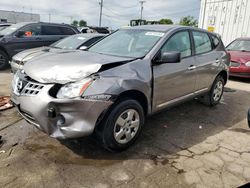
x: 190, y: 145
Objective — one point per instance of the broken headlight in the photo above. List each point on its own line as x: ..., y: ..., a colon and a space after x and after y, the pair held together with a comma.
x: 73, y: 90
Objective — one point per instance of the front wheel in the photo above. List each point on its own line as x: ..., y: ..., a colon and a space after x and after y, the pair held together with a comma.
x: 122, y: 126
x: 213, y: 97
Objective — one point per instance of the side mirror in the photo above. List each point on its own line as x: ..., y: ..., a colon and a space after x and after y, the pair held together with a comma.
x: 169, y: 57
x: 20, y: 34
x: 248, y: 118
x: 83, y: 48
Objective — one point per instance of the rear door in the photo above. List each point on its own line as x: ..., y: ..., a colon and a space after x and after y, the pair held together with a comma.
x: 174, y: 81
x: 52, y: 33
x: 207, y: 59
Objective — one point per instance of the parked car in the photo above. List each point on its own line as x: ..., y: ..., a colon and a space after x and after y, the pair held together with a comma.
x: 4, y: 25
x: 239, y: 50
x: 26, y: 35
x: 74, y: 42
x: 91, y: 29
x: 110, y: 88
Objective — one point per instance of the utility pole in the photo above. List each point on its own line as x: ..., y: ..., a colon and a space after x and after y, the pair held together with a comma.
x: 142, y: 2
x: 100, y: 20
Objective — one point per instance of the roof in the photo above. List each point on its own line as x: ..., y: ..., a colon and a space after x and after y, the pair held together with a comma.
x: 163, y: 28
x: 243, y: 38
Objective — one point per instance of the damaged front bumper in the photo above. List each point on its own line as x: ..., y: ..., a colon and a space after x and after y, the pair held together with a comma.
x: 60, y: 118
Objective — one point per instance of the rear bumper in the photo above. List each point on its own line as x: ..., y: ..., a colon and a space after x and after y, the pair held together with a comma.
x: 60, y: 118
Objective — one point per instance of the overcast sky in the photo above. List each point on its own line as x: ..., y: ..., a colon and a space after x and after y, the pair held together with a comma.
x: 116, y: 13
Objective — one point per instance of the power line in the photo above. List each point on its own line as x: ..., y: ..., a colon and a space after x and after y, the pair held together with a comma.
x: 121, y: 6
x: 117, y: 14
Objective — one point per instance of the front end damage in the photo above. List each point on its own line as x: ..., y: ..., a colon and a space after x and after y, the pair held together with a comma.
x: 36, y: 93
x: 59, y: 118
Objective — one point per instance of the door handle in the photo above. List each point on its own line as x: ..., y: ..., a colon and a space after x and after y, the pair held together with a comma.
x: 192, y: 67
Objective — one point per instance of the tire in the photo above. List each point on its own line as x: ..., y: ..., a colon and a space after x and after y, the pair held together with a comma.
x: 118, y: 130
x: 4, y: 60
x: 213, y: 97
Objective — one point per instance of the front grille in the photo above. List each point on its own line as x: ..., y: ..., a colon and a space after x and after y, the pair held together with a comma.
x: 234, y: 64
x: 24, y: 86
x: 32, y: 89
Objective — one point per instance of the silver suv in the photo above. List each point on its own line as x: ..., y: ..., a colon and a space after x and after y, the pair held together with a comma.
x: 111, y: 87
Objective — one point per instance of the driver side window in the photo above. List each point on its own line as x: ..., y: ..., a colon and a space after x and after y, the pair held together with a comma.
x: 31, y: 30
x: 179, y: 42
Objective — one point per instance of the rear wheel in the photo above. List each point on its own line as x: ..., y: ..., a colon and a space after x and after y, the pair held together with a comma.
x: 213, y: 97
x: 3, y: 60
x: 122, y: 126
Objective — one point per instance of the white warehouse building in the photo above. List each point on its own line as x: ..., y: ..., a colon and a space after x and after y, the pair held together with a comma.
x: 15, y: 17
x: 229, y: 18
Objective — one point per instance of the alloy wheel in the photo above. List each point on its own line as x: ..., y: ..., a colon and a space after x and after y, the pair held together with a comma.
x: 126, y: 126
x: 218, y: 90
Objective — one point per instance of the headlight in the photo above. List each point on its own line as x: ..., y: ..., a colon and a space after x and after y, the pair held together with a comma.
x: 73, y: 90
x: 248, y: 64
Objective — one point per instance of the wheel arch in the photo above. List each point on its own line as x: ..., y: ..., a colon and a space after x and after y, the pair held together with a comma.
x: 224, y: 75
x: 136, y: 95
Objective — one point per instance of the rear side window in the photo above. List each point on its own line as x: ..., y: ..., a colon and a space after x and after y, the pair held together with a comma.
x: 31, y: 30
x: 67, y: 31
x: 202, y: 42
x: 51, y: 30
x: 215, y: 41
x: 179, y: 42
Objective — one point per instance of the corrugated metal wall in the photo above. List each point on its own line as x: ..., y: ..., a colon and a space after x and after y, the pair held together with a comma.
x: 229, y: 18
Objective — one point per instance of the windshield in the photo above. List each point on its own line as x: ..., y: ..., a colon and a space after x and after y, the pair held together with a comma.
x: 239, y: 45
x: 11, y: 29
x: 128, y: 43
x: 70, y: 43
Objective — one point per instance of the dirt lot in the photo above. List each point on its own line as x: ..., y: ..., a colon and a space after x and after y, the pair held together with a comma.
x: 190, y: 145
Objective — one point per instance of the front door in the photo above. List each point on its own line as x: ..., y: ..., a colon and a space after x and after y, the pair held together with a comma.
x: 174, y: 81
x: 30, y: 38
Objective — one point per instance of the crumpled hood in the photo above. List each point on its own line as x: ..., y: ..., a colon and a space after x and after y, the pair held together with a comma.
x: 67, y: 66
